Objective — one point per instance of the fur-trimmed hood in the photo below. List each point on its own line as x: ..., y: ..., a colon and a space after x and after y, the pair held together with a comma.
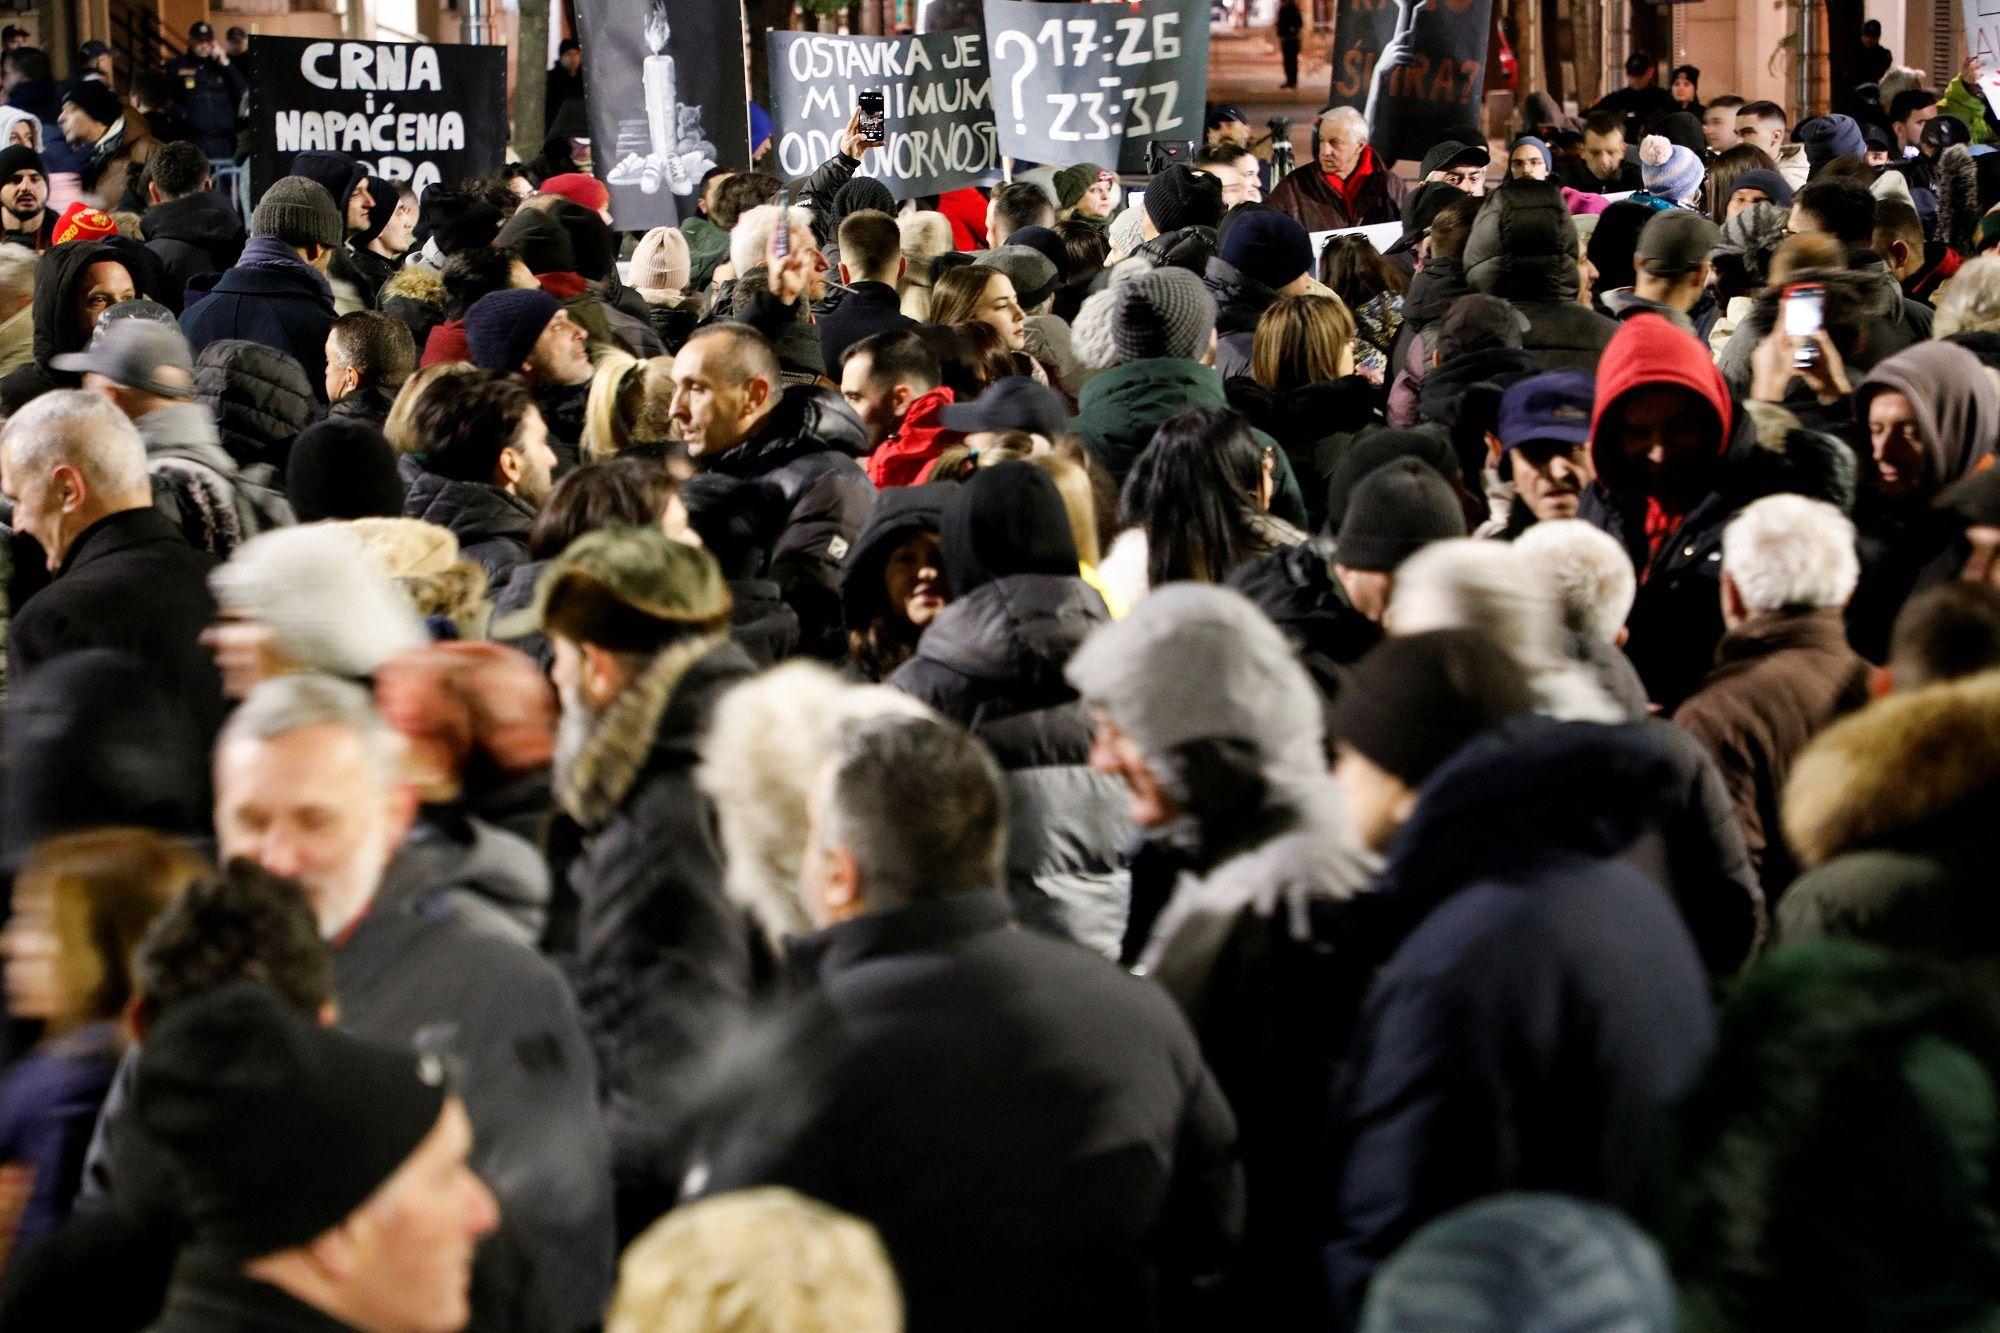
x: 1895, y: 768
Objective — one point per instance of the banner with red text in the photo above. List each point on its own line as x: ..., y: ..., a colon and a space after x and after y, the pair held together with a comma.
x: 1415, y: 68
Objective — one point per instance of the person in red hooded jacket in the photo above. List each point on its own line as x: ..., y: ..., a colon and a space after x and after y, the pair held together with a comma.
x: 1676, y: 458
x: 893, y: 382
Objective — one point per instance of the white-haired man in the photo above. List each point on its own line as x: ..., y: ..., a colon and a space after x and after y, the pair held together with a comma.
x: 1784, y: 668
x: 123, y: 576
x: 308, y: 784
x: 1348, y: 185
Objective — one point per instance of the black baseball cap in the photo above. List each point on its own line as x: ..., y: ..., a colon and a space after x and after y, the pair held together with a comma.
x: 1452, y: 153
x: 201, y: 32
x: 1222, y: 113
x: 91, y: 50
x: 1421, y: 207
x: 1013, y: 403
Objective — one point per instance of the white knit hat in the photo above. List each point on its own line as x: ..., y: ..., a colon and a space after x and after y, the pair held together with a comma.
x: 329, y: 603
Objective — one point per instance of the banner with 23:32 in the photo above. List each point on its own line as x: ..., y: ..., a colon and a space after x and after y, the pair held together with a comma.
x: 1096, y: 82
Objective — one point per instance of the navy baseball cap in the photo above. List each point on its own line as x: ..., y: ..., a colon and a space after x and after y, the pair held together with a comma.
x: 1551, y: 406
x: 1222, y: 113
x: 91, y: 50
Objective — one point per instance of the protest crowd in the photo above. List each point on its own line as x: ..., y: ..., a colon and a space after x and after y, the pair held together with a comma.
x: 1090, y: 753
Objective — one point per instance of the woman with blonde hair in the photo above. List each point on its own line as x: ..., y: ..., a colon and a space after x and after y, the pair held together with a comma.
x: 926, y: 235
x: 627, y: 405
x: 81, y: 904
x: 445, y: 588
x: 1302, y: 386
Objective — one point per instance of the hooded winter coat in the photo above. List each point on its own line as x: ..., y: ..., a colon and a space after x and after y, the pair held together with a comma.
x: 993, y: 661
x: 414, y: 969
x: 1523, y: 250
x: 1780, y: 679
x: 1907, y: 546
x: 1307, y: 196
x: 1094, y: 1182
x: 496, y: 880
x: 199, y: 486
x: 1542, y: 1006
x: 1253, y: 943
x: 1890, y: 812
x: 1118, y: 411
x: 259, y: 396
x: 285, y: 306
x: 491, y: 524
x: 659, y: 957
x: 195, y: 234
x: 806, y: 449
x: 898, y: 514
x: 58, y: 272
x: 904, y: 457
x: 1676, y: 621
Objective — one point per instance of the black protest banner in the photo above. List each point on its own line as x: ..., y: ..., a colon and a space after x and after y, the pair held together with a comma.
x: 937, y: 105
x: 667, y: 102
x: 406, y: 111
x: 1414, y: 68
x: 1095, y: 83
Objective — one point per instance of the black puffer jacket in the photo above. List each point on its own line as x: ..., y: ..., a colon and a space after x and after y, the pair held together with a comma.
x: 1239, y: 298
x: 1296, y: 588
x: 806, y: 449
x: 260, y: 397
x: 1523, y: 250
x: 1305, y: 421
x: 993, y: 660
x: 57, y: 329
x: 195, y: 234
x: 491, y: 525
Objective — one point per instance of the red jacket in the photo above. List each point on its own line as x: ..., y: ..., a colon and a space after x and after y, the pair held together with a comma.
x: 901, y: 459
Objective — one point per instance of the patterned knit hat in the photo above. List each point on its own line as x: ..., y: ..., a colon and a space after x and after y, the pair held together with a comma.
x: 1072, y: 183
x: 298, y: 212
x: 1162, y: 312
x: 81, y: 222
x: 1128, y: 231
x: 1669, y: 170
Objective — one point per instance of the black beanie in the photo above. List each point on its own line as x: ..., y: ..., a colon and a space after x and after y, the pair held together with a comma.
x: 1180, y: 197
x: 592, y: 246
x: 338, y: 172
x: 383, y: 197
x: 470, y: 226
x: 1371, y: 451
x: 1395, y: 511
x: 1414, y: 700
x: 1009, y: 519
x: 343, y: 469
x: 540, y: 241
x: 863, y: 192
x: 19, y: 157
x: 281, y: 1128
x: 95, y: 100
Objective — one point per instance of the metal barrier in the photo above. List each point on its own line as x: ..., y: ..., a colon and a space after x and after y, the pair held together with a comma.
x: 225, y: 177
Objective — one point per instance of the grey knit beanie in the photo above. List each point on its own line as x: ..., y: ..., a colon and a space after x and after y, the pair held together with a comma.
x: 1162, y: 312
x: 298, y: 212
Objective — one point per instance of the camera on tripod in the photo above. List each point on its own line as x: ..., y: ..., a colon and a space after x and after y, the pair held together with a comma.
x: 1163, y: 153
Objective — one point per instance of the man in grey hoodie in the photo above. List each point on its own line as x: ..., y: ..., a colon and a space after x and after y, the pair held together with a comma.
x: 145, y: 368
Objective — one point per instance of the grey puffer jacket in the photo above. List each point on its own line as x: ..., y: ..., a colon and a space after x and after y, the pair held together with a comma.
x: 216, y: 505
x: 993, y: 661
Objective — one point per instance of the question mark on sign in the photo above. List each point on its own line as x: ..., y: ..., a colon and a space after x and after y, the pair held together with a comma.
x: 1021, y: 75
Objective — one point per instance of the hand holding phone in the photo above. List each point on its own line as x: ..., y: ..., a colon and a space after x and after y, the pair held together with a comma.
x: 874, y: 124
x: 1804, y: 317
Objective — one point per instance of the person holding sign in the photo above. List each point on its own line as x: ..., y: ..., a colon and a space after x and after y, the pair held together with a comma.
x: 1349, y: 185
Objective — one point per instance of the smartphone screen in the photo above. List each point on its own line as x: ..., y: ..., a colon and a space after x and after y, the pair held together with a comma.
x: 1805, y: 316
x: 869, y: 103
x: 781, y: 235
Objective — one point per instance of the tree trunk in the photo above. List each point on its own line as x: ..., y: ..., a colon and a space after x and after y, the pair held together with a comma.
x: 531, y: 48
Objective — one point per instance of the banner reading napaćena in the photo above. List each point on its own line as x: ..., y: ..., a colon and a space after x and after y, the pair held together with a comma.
x: 665, y: 90
x: 1096, y: 83
x: 1414, y: 68
x: 406, y: 111
x: 937, y: 103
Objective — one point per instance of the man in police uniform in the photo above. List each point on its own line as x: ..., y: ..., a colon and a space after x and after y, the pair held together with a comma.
x: 209, y: 90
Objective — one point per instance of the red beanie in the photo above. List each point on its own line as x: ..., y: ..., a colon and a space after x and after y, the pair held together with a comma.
x: 581, y: 190
x: 81, y: 222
